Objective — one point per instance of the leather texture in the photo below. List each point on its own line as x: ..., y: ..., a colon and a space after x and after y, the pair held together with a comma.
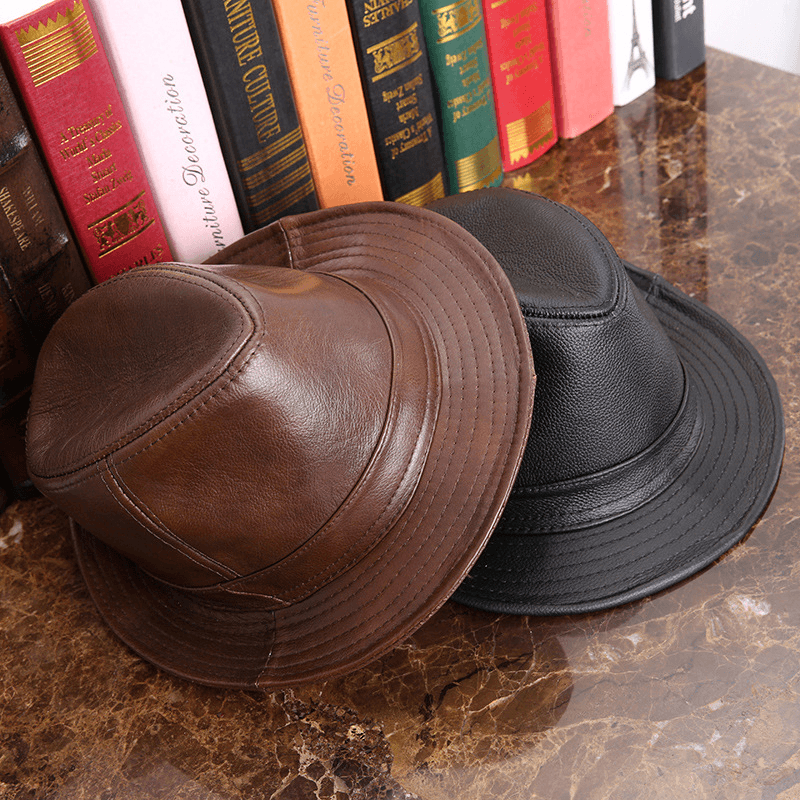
x: 275, y: 473
x: 657, y: 434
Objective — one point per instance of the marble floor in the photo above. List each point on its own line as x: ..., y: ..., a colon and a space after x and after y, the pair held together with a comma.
x: 694, y: 692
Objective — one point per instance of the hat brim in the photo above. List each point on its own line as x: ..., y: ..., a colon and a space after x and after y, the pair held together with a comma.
x: 481, y: 354
x: 709, y: 508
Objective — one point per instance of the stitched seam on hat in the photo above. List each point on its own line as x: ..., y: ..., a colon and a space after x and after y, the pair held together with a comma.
x: 424, y: 302
x: 343, y: 593
x: 181, y: 401
x: 336, y: 567
x: 556, y: 527
x: 287, y: 243
x: 150, y: 519
x: 616, y: 555
x: 230, y: 377
x: 164, y: 610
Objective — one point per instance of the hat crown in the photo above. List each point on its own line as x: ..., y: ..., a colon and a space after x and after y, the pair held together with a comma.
x: 609, y: 380
x: 178, y: 362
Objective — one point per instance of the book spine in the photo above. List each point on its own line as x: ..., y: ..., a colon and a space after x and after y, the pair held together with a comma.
x: 679, y: 32
x: 41, y: 273
x: 400, y: 99
x: 630, y: 24
x: 69, y: 92
x: 155, y: 69
x: 522, y: 79
x: 244, y: 70
x: 41, y: 269
x: 456, y: 41
x: 580, y: 47
x: 320, y: 55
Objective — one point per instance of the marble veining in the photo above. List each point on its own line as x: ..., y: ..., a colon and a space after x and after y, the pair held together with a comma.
x: 694, y: 692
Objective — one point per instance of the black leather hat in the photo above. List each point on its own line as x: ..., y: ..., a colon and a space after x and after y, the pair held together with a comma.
x: 657, y: 433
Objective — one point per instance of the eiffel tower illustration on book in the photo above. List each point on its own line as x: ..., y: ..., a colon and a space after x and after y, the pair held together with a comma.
x: 638, y: 58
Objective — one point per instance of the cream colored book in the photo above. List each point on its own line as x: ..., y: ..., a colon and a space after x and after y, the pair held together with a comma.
x: 154, y: 64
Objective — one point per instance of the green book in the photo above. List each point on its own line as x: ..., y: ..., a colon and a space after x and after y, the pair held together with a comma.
x: 456, y: 40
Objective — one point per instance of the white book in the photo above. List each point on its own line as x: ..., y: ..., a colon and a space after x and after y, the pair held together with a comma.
x: 153, y: 61
x: 630, y: 25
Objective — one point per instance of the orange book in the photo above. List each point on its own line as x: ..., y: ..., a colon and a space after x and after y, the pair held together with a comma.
x: 65, y: 81
x: 323, y: 68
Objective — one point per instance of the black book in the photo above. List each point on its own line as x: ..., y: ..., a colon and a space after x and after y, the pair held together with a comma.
x: 678, y: 37
x: 397, y: 81
x: 239, y: 51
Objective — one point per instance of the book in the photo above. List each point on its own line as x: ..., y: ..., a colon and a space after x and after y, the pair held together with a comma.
x: 399, y: 89
x: 630, y: 24
x: 244, y: 70
x: 456, y: 39
x: 41, y: 273
x: 321, y: 58
x: 679, y: 33
x: 519, y: 58
x: 64, y: 79
x: 41, y: 269
x: 156, y: 72
x: 581, y: 52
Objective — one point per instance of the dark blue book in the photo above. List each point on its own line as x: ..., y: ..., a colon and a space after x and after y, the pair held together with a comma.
x: 397, y: 81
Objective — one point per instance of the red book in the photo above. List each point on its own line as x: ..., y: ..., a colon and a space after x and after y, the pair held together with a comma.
x: 64, y: 78
x: 581, y: 52
x: 519, y: 58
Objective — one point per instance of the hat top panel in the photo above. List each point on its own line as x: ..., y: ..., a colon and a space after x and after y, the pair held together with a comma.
x: 559, y: 264
x: 124, y: 356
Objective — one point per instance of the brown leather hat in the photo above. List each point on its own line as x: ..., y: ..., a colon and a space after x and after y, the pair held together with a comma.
x: 275, y: 473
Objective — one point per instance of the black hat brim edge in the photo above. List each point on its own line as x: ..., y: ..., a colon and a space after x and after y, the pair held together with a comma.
x: 711, y: 507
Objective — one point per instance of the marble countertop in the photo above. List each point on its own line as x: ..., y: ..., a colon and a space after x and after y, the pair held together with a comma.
x: 694, y: 692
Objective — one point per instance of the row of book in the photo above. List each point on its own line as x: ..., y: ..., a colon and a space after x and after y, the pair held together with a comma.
x: 133, y: 133
x: 191, y: 122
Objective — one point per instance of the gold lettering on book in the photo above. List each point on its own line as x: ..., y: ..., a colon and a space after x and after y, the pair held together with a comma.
x: 14, y: 219
x: 242, y: 25
x: 378, y: 10
x: 255, y: 76
x: 456, y: 19
x: 479, y: 169
x: 34, y: 209
x: 529, y: 54
x: 53, y: 48
x: 121, y: 225
x: 395, y: 53
x: 416, y: 129
x: 261, y: 102
x: 530, y: 133
x: 267, y: 172
x: 427, y: 193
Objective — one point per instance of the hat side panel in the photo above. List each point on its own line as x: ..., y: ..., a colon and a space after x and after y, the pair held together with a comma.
x: 97, y: 499
x: 129, y: 352
x: 257, y: 466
